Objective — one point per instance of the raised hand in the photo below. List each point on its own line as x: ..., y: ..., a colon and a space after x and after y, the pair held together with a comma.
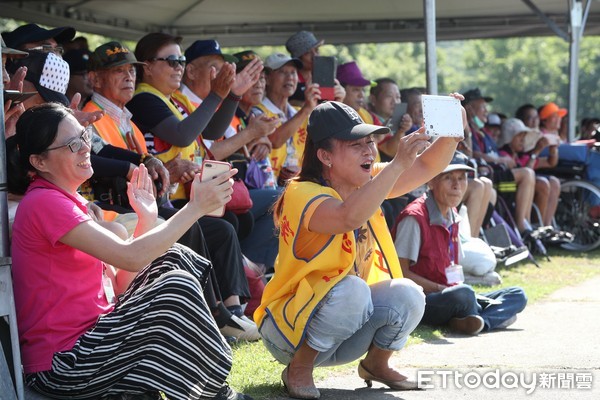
x: 222, y: 81
x: 84, y: 118
x: 312, y: 95
x: 262, y: 125
x: 140, y: 191
x: 339, y: 93
x: 11, y: 116
x: 247, y: 77
x: 16, y: 82
x: 410, y: 146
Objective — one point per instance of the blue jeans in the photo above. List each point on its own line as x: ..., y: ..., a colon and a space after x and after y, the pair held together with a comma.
x: 459, y: 301
x: 351, y: 317
x: 261, y: 246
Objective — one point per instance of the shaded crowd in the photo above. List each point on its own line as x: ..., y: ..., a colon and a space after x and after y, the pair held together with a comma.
x: 127, y: 282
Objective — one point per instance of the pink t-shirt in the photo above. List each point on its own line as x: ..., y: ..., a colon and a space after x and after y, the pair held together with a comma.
x: 58, y: 289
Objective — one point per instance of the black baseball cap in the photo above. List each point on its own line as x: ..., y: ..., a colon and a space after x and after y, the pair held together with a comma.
x: 459, y: 162
x: 78, y: 60
x: 33, y: 33
x: 475, y: 94
x: 337, y: 120
x: 111, y: 54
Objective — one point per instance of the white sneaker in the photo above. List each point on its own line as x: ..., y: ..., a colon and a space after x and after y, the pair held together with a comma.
x: 489, y: 279
x: 508, y: 322
x: 241, y: 329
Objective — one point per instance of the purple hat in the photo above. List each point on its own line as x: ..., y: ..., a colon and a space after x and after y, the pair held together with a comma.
x: 349, y: 74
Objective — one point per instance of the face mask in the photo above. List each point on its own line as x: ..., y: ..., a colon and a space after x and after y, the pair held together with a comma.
x: 480, y: 124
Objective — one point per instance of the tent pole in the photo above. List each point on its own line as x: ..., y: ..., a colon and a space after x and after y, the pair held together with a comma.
x: 430, y: 55
x: 576, y: 18
x: 3, y: 186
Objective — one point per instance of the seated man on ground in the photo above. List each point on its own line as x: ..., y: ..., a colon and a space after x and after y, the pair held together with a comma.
x: 426, y: 240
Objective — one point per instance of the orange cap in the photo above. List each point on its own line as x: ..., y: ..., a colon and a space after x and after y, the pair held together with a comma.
x: 551, y: 108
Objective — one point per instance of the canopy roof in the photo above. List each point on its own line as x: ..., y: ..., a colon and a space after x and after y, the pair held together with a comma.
x: 271, y: 22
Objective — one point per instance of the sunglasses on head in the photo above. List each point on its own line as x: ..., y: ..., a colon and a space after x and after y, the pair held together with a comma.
x: 47, y: 48
x: 76, y: 144
x: 172, y: 60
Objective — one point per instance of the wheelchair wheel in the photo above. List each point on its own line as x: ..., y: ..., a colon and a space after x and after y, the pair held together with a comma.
x: 578, y: 213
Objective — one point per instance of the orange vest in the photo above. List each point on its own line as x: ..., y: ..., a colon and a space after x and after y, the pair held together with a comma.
x: 109, y: 131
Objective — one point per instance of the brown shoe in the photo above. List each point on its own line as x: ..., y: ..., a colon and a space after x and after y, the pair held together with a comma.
x: 469, y: 325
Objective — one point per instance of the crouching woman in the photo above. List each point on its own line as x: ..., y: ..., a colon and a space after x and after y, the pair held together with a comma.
x: 338, y: 290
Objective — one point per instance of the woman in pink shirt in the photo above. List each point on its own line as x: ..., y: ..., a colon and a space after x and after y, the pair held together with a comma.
x: 76, y: 342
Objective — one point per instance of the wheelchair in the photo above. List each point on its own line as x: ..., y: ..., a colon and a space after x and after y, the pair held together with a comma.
x: 578, y: 209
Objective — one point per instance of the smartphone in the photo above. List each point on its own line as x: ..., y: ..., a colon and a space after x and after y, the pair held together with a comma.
x: 394, y: 122
x: 210, y: 170
x: 16, y: 96
x: 442, y: 116
x: 323, y: 73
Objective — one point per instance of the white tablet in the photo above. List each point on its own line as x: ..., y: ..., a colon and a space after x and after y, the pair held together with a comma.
x: 442, y: 116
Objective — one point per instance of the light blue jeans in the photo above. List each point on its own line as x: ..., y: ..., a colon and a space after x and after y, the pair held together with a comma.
x: 351, y: 317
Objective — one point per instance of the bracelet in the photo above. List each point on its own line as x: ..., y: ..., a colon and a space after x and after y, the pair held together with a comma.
x: 233, y: 97
x: 144, y: 156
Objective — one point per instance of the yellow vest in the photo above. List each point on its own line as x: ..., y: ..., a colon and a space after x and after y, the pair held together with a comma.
x: 309, y: 264
x: 278, y: 156
x: 191, y: 152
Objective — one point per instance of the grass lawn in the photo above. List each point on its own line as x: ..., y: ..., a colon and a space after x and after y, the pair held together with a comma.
x: 255, y: 371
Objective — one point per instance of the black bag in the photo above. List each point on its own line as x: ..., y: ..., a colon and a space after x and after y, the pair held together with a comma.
x: 113, y: 191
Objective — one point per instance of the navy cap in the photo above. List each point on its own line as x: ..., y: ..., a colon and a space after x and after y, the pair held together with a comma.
x: 30, y: 33
x: 78, y: 60
x: 206, y: 48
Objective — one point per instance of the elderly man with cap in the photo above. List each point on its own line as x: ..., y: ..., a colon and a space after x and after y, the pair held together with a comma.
x: 33, y: 37
x: 204, y: 62
x: 508, y: 178
x: 428, y: 246
x: 289, y: 137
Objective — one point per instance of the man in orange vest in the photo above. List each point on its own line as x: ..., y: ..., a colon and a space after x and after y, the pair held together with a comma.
x: 112, y: 73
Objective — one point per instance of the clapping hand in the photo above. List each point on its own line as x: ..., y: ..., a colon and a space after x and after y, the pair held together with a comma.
x: 140, y: 191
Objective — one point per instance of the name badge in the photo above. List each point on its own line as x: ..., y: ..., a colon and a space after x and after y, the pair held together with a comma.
x: 454, y: 274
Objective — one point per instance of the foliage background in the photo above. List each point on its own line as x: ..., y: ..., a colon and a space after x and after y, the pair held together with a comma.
x: 513, y: 71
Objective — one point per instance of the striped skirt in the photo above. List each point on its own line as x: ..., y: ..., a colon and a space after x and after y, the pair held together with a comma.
x: 160, y: 336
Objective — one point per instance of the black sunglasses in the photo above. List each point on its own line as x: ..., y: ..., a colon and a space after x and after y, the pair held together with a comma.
x: 172, y: 60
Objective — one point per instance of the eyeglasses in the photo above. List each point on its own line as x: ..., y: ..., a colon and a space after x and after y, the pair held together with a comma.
x: 76, y: 144
x: 47, y: 48
x: 172, y: 60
